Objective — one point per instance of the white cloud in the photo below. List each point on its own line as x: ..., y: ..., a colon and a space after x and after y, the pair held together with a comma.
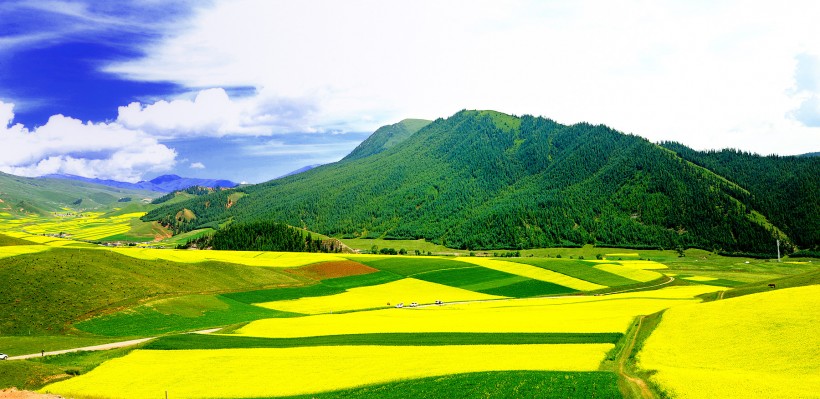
x: 213, y: 113
x: 67, y: 145
x: 705, y: 74
x: 197, y: 165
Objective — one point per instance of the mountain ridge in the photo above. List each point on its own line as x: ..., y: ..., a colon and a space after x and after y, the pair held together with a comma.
x: 163, y: 184
x: 486, y: 180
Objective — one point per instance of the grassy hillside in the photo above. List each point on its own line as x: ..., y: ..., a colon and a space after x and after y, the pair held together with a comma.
x: 45, y: 293
x: 20, y: 195
x: 486, y: 180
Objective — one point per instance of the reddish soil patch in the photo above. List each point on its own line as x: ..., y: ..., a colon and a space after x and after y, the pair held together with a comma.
x: 326, y: 270
x: 13, y: 393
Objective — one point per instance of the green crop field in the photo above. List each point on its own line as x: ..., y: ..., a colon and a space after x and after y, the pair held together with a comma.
x: 177, y: 314
x: 521, y: 384
x: 407, y: 266
x: 492, y: 282
x: 578, y: 269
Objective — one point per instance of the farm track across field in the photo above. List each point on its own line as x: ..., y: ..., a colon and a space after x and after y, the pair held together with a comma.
x: 635, y: 384
x: 112, y: 345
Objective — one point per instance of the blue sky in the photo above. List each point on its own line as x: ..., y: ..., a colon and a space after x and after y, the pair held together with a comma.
x: 251, y: 89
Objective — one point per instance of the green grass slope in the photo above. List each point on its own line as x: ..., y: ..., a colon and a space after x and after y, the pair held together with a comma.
x: 44, y: 293
x: 486, y: 180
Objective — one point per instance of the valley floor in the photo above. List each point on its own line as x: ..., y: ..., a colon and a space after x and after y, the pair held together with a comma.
x: 591, y: 323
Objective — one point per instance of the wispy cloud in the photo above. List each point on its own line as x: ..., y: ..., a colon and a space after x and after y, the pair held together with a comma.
x: 197, y: 165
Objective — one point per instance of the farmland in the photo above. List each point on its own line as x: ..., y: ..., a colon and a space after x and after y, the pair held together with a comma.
x: 761, y: 345
x: 544, y: 326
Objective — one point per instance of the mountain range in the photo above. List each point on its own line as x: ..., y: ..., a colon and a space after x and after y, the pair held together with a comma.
x: 163, y: 184
x: 487, y: 180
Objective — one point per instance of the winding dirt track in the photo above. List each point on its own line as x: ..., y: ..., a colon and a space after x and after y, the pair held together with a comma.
x: 634, y: 381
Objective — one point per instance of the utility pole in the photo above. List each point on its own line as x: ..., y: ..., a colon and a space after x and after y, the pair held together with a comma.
x: 778, y: 251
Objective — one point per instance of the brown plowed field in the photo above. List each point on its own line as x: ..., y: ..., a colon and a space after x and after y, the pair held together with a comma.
x: 326, y: 270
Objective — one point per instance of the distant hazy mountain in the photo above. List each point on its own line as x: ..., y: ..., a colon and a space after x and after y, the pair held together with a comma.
x: 300, y: 170
x: 486, y: 180
x: 163, y: 184
x: 811, y: 154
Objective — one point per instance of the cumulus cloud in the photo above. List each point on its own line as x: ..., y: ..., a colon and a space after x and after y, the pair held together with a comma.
x: 213, y: 113
x: 67, y: 145
x: 197, y: 165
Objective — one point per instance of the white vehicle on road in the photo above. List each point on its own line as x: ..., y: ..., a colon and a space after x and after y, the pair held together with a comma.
x: 4, y: 356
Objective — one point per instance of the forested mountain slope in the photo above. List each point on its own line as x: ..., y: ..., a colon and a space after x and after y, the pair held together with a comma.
x: 783, y: 188
x: 486, y: 180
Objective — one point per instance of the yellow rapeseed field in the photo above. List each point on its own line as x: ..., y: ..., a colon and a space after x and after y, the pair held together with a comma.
x: 635, y: 254
x: 291, y: 371
x: 630, y: 272
x: 248, y: 258
x: 378, y: 296
x: 14, y: 250
x: 89, y: 226
x: 535, y: 273
x: 763, y: 345
x: 609, y: 313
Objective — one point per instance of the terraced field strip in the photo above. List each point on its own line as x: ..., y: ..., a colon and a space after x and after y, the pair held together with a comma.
x: 630, y: 272
x: 758, y: 345
x: 378, y: 296
x: 290, y: 371
x: 325, y: 287
x: 580, y: 270
x: 535, y: 273
x: 248, y: 258
x: 488, y: 384
x: 195, y: 341
x: 611, y: 313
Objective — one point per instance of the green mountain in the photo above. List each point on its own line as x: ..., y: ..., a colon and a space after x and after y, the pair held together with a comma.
x: 387, y: 137
x: 782, y: 188
x: 24, y: 195
x: 486, y: 180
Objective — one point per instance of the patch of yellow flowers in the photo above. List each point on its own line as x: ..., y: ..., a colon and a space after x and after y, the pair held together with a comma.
x: 609, y: 313
x: 535, y: 273
x: 404, y: 291
x: 291, y: 371
x: 763, y: 345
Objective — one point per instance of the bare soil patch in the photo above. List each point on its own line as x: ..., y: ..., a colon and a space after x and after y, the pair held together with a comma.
x: 14, y: 393
x: 327, y: 270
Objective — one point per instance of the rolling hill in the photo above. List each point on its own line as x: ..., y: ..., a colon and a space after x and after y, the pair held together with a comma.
x: 21, y: 195
x: 487, y: 180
